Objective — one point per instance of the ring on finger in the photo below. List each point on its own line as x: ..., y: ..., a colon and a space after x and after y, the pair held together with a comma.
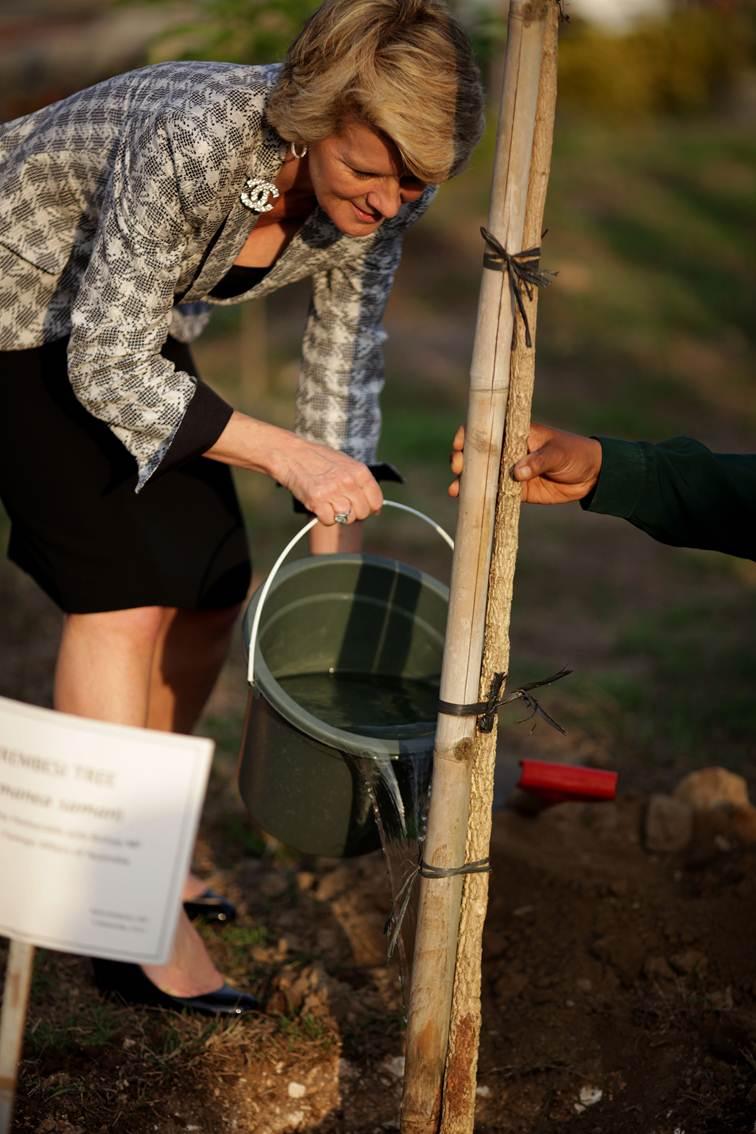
x: 342, y: 517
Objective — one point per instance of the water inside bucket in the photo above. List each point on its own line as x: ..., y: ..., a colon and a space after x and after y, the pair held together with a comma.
x: 367, y: 704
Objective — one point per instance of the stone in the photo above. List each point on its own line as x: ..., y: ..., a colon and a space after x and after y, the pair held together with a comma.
x: 588, y: 1096
x: 712, y: 787
x: 668, y: 824
x: 393, y: 1065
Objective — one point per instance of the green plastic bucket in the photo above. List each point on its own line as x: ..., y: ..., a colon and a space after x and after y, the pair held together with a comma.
x: 303, y: 780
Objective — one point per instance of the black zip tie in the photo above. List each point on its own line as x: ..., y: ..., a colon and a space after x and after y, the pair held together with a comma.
x: 522, y: 272
x: 486, y: 710
x: 393, y: 926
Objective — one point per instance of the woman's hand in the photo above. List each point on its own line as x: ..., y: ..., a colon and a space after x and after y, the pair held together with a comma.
x: 560, y: 467
x: 327, y: 482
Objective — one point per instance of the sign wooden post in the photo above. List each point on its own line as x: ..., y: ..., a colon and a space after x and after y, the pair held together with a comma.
x: 445, y: 845
x: 461, y: 1062
x: 97, y: 826
x: 18, y: 974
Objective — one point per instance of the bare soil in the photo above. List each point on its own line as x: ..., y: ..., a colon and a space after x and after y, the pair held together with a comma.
x: 619, y: 985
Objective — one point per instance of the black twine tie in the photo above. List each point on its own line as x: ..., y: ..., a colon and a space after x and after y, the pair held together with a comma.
x: 522, y: 271
x: 393, y: 926
x: 486, y: 710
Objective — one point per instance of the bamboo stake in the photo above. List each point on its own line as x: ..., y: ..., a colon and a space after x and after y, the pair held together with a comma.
x: 439, y: 904
x: 18, y: 974
x: 462, y: 1058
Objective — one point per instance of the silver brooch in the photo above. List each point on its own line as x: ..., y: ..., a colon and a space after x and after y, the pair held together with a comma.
x: 256, y: 193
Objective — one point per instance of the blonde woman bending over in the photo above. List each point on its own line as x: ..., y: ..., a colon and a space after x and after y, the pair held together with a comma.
x: 127, y: 213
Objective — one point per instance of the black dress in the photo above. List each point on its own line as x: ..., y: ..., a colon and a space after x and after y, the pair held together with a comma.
x: 77, y: 525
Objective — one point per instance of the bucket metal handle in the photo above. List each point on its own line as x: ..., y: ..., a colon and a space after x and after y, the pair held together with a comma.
x: 292, y: 544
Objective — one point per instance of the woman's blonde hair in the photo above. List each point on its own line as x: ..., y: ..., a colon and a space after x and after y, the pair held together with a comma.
x: 405, y: 67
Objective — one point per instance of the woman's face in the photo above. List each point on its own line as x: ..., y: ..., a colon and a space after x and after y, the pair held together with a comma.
x: 358, y: 179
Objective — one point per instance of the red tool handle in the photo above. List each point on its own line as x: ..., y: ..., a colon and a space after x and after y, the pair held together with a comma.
x: 557, y: 783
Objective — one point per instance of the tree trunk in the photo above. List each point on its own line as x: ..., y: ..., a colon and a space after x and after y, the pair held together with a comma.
x: 461, y: 1064
x: 439, y: 906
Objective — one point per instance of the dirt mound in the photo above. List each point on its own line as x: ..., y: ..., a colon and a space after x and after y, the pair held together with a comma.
x: 617, y: 975
x: 619, y: 998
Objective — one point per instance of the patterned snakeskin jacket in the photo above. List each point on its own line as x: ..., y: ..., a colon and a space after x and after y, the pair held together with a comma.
x: 120, y: 210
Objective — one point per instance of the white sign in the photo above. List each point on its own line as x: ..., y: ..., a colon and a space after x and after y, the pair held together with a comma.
x: 97, y: 827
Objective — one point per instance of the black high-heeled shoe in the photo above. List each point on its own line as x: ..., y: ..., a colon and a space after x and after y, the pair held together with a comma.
x: 211, y: 907
x: 126, y: 982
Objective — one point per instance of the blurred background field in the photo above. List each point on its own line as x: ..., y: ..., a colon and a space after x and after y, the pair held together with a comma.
x: 647, y: 332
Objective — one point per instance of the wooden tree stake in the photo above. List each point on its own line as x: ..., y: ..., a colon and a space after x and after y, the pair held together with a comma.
x: 445, y: 845
x: 18, y: 974
x: 462, y: 1057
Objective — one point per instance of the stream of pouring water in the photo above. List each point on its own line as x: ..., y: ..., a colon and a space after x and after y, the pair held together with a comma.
x: 401, y: 822
x: 396, y: 788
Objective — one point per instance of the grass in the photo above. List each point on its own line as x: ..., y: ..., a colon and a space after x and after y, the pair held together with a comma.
x: 97, y: 1026
x: 306, y: 1029
x: 241, y: 938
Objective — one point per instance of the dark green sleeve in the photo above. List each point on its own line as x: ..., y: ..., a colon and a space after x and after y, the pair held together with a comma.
x: 680, y: 493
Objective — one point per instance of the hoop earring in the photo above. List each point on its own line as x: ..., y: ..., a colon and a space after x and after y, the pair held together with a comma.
x: 298, y: 149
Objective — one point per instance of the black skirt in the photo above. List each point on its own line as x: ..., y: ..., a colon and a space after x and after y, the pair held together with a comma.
x: 77, y: 526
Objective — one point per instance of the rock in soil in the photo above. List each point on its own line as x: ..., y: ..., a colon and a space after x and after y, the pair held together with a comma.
x: 669, y: 824
x: 712, y: 787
